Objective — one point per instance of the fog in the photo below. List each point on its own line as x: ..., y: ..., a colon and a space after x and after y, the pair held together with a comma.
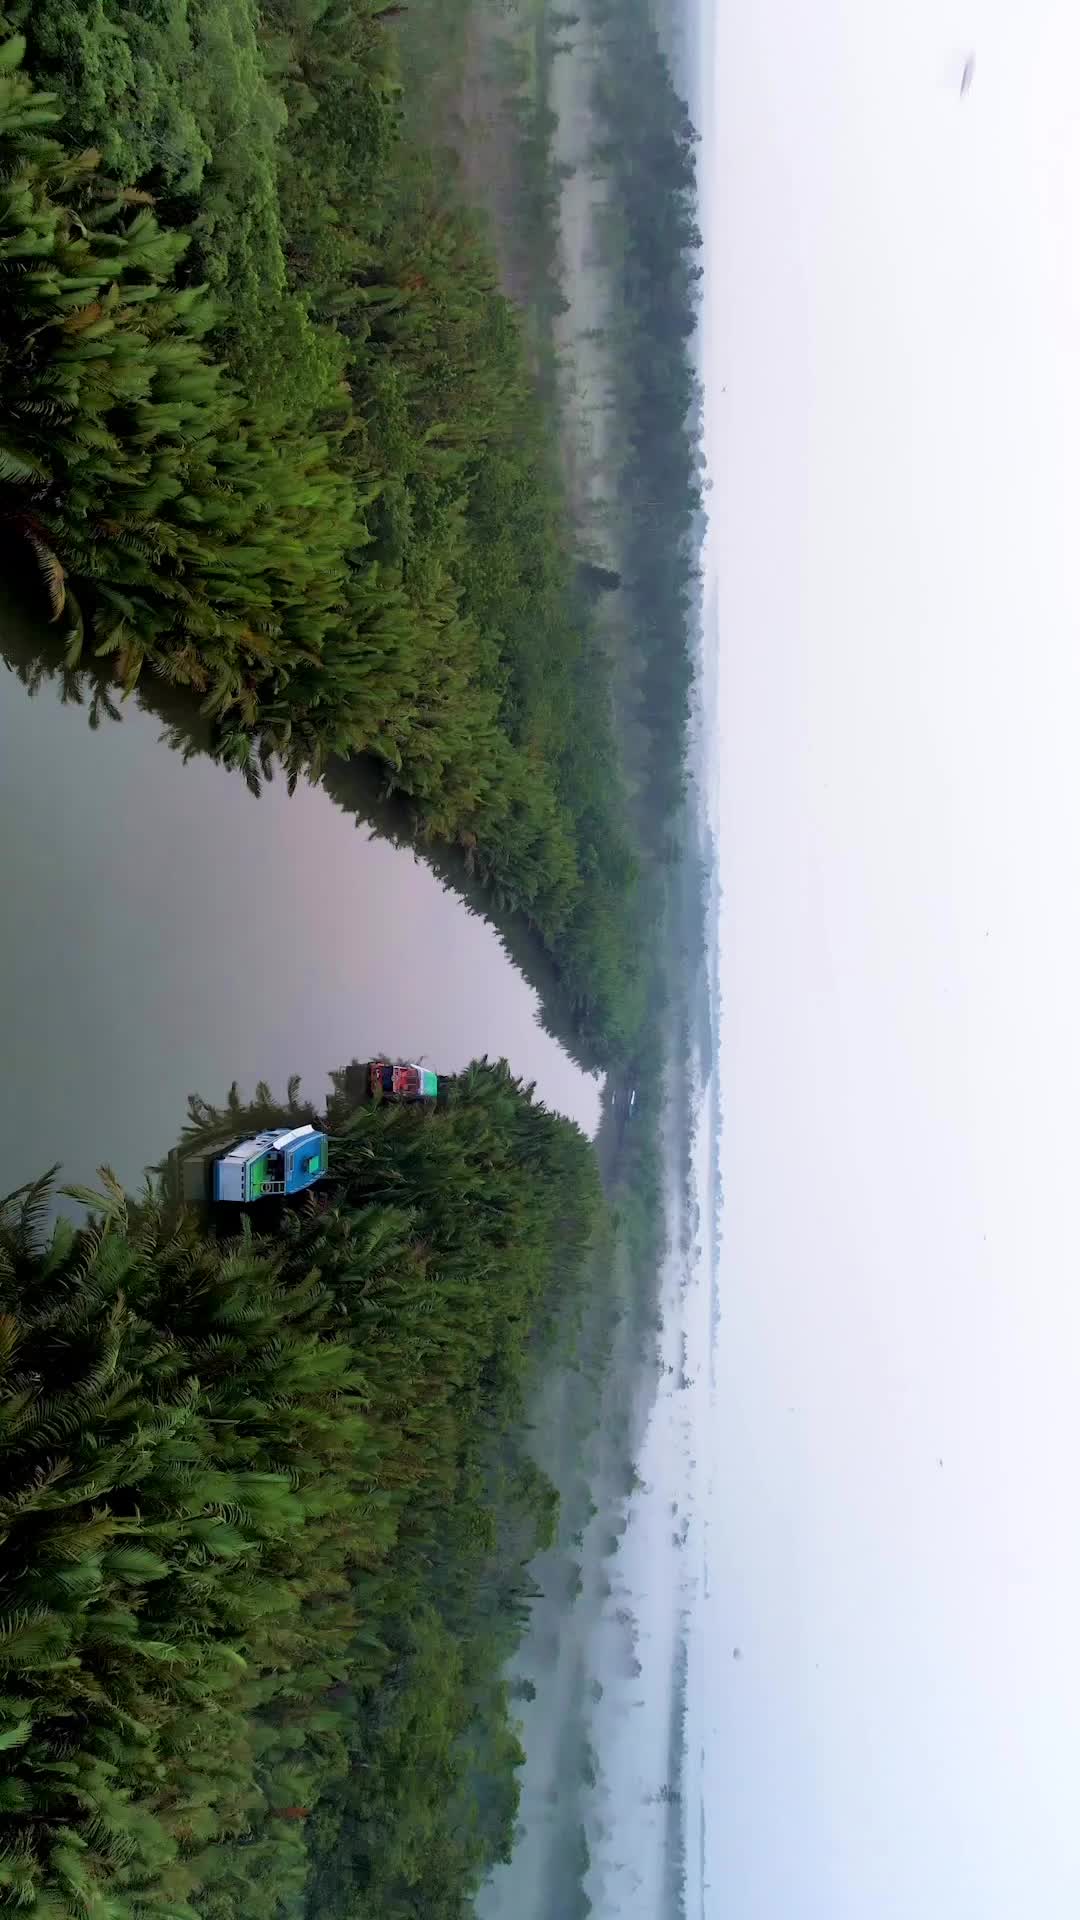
x: 891, y: 306
x: 617, y: 1714
x: 883, y: 1678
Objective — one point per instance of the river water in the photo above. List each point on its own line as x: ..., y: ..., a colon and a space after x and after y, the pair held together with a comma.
x: 165, y: 932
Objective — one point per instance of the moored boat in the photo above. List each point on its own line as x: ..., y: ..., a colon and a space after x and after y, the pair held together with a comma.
x: 270, y: 1165
x: 402, y: 1080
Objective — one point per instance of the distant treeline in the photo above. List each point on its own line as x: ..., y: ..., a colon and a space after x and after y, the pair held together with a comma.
x: 671, y: 1795
x: 266, y: 1520
x: 645, y: 150
x: 267, y: 430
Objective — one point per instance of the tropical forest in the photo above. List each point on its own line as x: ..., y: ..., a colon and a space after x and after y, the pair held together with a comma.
x: 344, y: 484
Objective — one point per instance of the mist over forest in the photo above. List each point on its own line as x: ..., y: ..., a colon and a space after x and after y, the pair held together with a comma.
x: 350, y: 427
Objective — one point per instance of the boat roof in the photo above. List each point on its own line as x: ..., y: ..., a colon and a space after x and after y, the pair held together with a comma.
x: 277, y: 1137
x: 287, y: 1136
x: 247, y: 1150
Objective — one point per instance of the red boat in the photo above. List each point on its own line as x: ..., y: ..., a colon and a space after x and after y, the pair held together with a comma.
x: 402, y: 1080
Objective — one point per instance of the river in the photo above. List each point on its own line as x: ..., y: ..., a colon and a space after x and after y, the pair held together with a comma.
x: 168, y: 932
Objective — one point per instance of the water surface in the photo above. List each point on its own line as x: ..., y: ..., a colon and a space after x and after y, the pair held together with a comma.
x: 167, y: 932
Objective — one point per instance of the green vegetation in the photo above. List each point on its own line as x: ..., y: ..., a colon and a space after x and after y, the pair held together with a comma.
x: 481, y: 74
x: 274, y: 438
x: 645, y: 151
x: 266, y: 1521
x: 177, y: 97
x: 279, y: 451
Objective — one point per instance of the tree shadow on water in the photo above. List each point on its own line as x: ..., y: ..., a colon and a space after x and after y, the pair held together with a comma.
x: 361, y: 787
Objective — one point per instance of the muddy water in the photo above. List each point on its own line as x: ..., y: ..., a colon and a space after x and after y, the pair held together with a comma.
x: 166, y: 932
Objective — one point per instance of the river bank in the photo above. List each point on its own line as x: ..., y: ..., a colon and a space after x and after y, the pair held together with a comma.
x: 168, y: 929
x: 293, y: 1515
x: 334, y: 516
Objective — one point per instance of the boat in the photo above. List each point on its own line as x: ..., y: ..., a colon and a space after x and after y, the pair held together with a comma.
x: 270, y: 1165
x: 402, y: 1080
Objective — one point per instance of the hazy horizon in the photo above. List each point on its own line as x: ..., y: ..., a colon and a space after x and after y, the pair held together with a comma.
x: 892, y: 307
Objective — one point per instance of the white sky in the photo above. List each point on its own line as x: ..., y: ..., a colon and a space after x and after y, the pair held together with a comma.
x: 894, y: 308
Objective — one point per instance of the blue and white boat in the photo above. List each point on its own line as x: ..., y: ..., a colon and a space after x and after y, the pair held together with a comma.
x: 271, y: 1165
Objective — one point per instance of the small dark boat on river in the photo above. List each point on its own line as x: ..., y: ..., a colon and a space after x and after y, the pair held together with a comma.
x: 402, y: 1080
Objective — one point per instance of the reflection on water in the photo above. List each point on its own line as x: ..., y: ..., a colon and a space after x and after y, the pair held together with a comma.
x: 167, y: 932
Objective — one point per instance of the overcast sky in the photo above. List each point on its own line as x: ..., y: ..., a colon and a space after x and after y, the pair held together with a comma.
x: 894, y: 308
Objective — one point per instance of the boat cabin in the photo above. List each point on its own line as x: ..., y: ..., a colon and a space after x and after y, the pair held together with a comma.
x: 270, y: 1165
x: 403, y: 1080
